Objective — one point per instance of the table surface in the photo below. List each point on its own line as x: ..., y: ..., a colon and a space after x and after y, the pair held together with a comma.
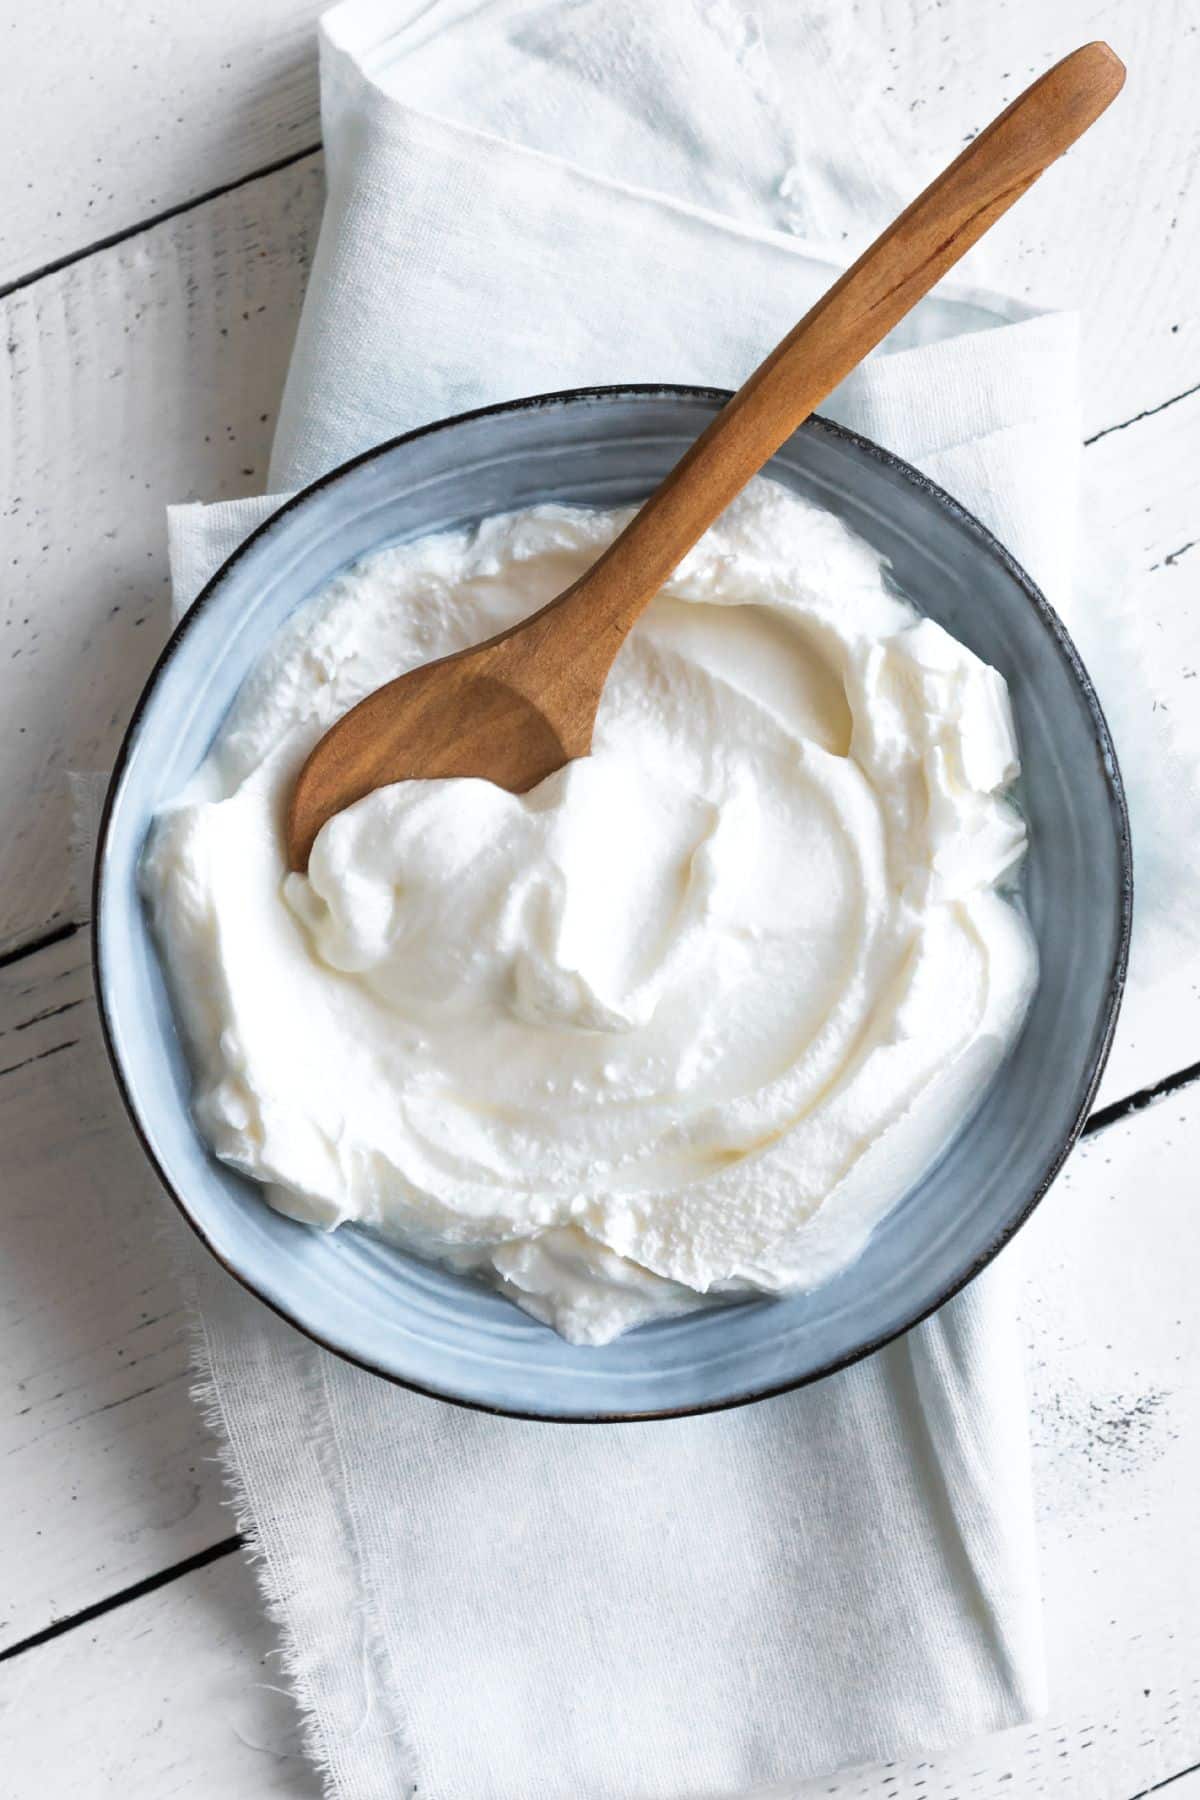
x: 162, y: 188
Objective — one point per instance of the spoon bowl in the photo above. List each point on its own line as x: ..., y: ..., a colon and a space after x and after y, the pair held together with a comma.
x: 428, y: 725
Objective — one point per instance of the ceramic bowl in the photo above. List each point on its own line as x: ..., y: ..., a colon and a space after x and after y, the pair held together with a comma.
x: 450, y: 1336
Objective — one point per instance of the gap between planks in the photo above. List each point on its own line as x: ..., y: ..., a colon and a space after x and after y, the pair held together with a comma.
x: 159, y: 218
x: 46, y: 941
x: 1158, y: 1786
x: 137, y: 1590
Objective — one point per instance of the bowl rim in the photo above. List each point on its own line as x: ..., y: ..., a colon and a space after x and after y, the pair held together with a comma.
x: 1116, y: 974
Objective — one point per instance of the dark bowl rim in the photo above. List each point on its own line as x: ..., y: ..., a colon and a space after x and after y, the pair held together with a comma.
x: 1115, y: 986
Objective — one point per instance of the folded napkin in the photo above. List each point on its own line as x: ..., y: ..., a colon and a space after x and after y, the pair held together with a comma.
x: 522, y: 196
x: 473, y: 1607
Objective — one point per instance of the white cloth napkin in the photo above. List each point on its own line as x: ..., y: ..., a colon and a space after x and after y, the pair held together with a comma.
x: 521, y: 197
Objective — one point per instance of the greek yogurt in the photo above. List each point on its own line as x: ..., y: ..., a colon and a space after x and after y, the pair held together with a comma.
x: 683, y: 1022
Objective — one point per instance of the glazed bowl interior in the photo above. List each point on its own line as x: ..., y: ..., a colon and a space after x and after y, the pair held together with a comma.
x: 448, y: 1335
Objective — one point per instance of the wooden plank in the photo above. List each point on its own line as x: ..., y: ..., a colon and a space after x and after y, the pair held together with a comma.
x: 146, y: 374
x: 108, y: 1471
x: 165, y: 108
x: 179, y: 1693
x: 109, y: 1477
x: 166, y: 1691
x: 91, y: 622
x: 164, y: 105
x: 102, y: 437
x: 1141, y: 513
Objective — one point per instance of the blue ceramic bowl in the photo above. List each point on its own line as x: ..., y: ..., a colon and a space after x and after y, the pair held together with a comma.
x: 450, y: 1336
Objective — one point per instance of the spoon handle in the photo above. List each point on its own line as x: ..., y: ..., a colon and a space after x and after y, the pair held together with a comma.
x: 859, y: 310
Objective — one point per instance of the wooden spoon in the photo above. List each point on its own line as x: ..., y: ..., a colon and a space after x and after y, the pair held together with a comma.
x: 522, y: 704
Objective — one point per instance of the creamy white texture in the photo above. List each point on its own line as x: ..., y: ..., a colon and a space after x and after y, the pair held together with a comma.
x: 685, y: 1020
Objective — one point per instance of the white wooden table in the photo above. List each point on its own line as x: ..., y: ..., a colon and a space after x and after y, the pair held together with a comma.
x: 161, y: 189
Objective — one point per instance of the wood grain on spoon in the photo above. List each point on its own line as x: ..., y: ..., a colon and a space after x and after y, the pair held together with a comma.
x: 517, y: 707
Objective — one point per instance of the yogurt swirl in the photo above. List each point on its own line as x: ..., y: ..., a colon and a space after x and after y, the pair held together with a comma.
x: 685, y: 1020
